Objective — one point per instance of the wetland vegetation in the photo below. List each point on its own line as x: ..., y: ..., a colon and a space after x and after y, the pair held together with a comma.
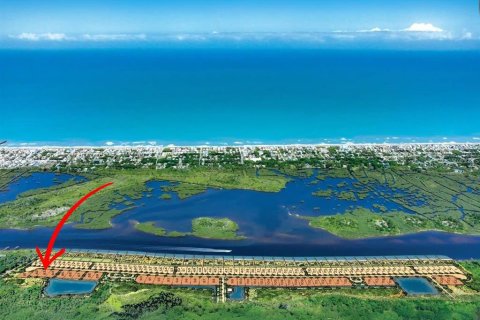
x: 428, y: 200
x: 202, y: 227
x: 401, y: 199
x: 26, y: 211
x: 211, y: 228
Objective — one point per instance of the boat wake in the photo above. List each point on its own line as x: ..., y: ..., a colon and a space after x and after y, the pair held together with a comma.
x: 194, y: 249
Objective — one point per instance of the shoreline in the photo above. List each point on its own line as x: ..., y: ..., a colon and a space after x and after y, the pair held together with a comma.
x: 32, y: 146
x: 248, y: 257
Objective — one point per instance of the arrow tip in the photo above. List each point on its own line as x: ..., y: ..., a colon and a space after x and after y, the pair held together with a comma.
x: 46, y: 260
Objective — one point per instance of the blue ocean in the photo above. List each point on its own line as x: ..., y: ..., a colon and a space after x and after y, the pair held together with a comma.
x: 238, y: 96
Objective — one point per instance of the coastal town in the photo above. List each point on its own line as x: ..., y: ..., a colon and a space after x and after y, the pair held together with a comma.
x: 453, y: 156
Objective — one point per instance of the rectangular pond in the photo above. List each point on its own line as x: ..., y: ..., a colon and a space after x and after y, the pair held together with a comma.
x: 57, y: 287
x: 416, y: 286
x: 237, y: 294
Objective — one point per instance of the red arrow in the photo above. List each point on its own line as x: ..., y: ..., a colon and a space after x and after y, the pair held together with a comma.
x: 46, y: 261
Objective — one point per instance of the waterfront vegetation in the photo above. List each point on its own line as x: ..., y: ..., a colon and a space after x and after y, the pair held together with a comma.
x: 296, y: 172
x: 24, y: 212
x: 363, y: 223
x: 203, y: 227
x: 212, y: 228
x: 8, y: 176
x: 323, y: 193
x: 166, y: 196
x: 23, y: 299
x: 185, y: 190
x: 150, y: 227
x: 433, y: 199
x: 347, y: 195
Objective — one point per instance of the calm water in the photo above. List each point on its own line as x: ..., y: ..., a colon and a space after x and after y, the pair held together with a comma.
x: 267, y: 220
x: 416, y: 286
x: 195, y: 96
x: 262, y: 216
x: 238, y: 293
x: 33, y: 181
x: 58, y: 287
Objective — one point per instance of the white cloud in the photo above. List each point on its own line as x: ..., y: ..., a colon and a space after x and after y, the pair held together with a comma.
x: 109, y: 143
x: 26, y: 36
x: 40, y: 36
x: 113, y: 37
x: 423, y: 27
x: 30, y: 36
x: 376, y: 29
x: 414, y: 27
x: 416, y: 31
x: 55, y: 36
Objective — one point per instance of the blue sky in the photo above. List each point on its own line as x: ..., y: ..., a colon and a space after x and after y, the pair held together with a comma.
x: 150, y: 21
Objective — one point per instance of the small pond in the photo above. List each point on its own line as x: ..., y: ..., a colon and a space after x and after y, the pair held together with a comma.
x: 237, y: 293
x: 416, y: 286
x: 57, y: 287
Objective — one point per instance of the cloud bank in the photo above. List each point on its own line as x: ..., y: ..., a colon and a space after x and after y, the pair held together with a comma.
x: 28, y: 36
x: 112, y: 37
x: 40, y: 36
x: 417, y: 31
